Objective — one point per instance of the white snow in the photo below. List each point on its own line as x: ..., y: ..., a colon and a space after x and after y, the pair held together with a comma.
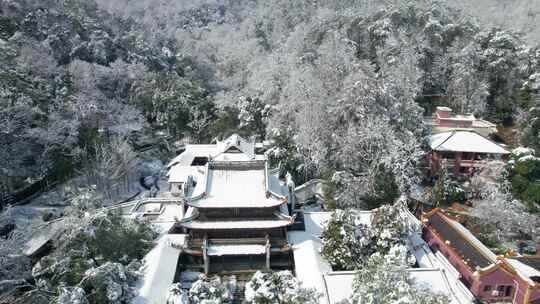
x: 339, y: 284
x: 522, y: 151
x: 158, y: 270
x: 527, y: 157
x: 220, y: 250
x: 524, y: 269
x: 313, y: 271
x: 254, y: 224
x: 309, y: 265
x: 236, y: 188
x: 464, y: 141
x: 186, y: 158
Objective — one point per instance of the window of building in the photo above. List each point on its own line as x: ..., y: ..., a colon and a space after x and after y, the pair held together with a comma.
x: 199, y: 161
x: 501, y: 288
x: 508, y: 291
x: 488, y: 288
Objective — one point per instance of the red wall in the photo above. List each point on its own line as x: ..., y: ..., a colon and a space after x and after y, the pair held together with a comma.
x: 477, y: 284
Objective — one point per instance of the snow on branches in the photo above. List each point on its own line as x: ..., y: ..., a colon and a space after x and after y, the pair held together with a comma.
x: 209, y: 291
x: 384, y: 279
x: 347, y: 243
x: 278, y: 287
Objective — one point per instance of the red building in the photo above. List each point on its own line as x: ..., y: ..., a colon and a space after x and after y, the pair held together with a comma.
x: 490, y: 278
x: 444, y: 121
x: 463, y: 153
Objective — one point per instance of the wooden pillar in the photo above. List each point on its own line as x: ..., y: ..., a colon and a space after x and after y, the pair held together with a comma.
x: 457, y: 163
x: 267, y: 252
x: 206, y: 259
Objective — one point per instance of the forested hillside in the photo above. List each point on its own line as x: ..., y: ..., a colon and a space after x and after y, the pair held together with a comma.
x: 326, y: 74
x: 340, y: 80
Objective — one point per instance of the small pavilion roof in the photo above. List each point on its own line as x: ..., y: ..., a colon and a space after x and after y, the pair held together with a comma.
x: 464, y: 141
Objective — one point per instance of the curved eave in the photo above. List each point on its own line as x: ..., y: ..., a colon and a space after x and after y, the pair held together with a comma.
x: 268, y: 224
x: 202, y: 204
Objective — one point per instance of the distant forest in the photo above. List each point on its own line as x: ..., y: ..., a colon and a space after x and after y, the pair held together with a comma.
x: 337, y: 85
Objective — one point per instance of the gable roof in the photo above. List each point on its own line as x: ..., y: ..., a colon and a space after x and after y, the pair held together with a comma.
x: 211, y: 151
x: 464, y: 141
x: 236, y: 143
x: 461, y: 240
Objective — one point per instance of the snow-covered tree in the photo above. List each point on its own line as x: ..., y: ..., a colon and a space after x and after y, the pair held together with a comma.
x: 390, y: 227
x: 209, y: 291
x: 69, y: 295
x: 342, y: 247
x: 177, y: 295
x: 384, y: 280
x: 252, y: 115
x: 509, y: 218
x: 110, y: 166
x: 347, y: 243
x: 98, y: 252
x: 466, y: 88
x: 278, y: 287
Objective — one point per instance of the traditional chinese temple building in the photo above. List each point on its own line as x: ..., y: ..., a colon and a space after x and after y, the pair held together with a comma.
x: 238, y: 210
x: 463, y: 153
x: 489, y: 277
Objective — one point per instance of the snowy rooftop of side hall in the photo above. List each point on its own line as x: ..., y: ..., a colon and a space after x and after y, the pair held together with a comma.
x: 233, y: 148
x: 314, y: 272
x: 310, y: 266
x: 340, y: 284
x: 464, y: 141
x: 158, y: 270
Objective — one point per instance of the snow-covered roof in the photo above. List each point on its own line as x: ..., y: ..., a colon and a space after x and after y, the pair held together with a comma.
x: 339, y: 284
x: 159, y: 269
x: 237, y: 185
x: 315, y: 272
x: 186, y: 158
x: 234, y: 148
x: 464, y: 141
x: 309, y: 264
x: 275, y: 185
x: 423, y: 255
x: 247, y: 224
x: 43, y: 236
x: 235, y: 141
x: 524, y: 269
x: 180, y: 174
x: 251, y: 249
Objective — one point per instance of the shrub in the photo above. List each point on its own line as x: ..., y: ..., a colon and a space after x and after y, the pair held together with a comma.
x: 209, y: 291
x: 278, y: 287
x: 340, y: 244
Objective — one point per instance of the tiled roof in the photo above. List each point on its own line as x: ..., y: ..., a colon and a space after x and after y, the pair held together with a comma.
x: 463, y: 244
x: 464, y: 141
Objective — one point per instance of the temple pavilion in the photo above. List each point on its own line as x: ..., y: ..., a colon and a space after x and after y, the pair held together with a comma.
x: 237, y: 209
